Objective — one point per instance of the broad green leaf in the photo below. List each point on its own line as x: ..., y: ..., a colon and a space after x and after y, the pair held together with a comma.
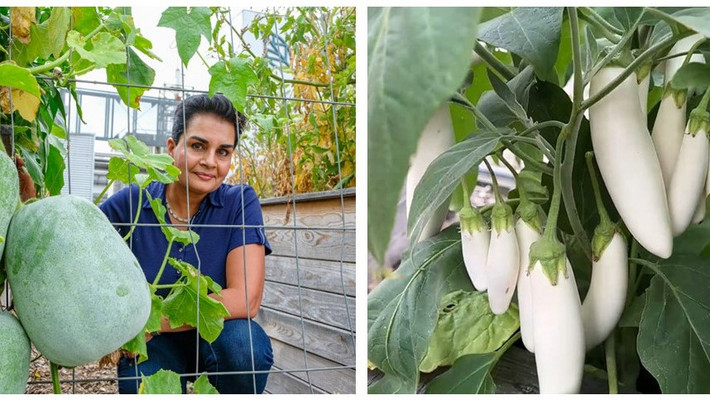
x: 466, y: 325
x: 533, y: 33
x: 86, y: 19
x: 19, y: 78
x: 136, y: 146
x: 632, y: 314
x: 495, y: 109
x: 48, y: 38
x: 184, y: 237
x: 442, y: 177
x: 180, y: 307
x: 106, y: 48
x: 145, y: 46
x: 691, y: 76
x: 694, y: 18
x: 156, y: 304
x: 628, y: 16
x: 694, y: 240
x: 138, y: 346
x: 232, y: 79
x: 674, y: 332
x: 470, y: 374
x: 122, y: 170
x: 137, y: 71
x: 161, y: 382
x: 186, y: 269
x: 54, y: 171
x: 402, y: 310
x: 189, y: 26
x: 410, y: 74
x: 33, y: 168
x: 590, y: 50
x: 507, y: 95
x: 390, y: 384
x: 58, y: 131
x: 564, y: 55
x: 203, y: 386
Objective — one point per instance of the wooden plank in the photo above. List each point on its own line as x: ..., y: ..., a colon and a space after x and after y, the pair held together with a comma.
x: 285, y: 383
x: 331, y: 343
x: 339, y: 380
x: 312, y: 214
x: 314, y: 274
x: 317, y: 196
x: 313, y: 244
x: 326, y: 308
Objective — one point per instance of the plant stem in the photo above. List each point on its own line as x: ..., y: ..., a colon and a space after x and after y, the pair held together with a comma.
x: 162, y: 266
x: 614, y: 51
x: 55, y: 378
x: 496, y: 65
x: 487, y: 208
x: 609, y: 31
x: 610, y: 350
x: 570, y: 134
x: 49, y: 66
x: 103, y: 192
x: 650, y: 52
x: 138, y: 214
x: 476, y: 112
x: 603, y: 215
x: 591, y: 14
x: 496, y: 190
x: 521, y: 189
x: 466, y: 194
x: 552, y: 215
x: 529, y: 161
x: 703, y: 105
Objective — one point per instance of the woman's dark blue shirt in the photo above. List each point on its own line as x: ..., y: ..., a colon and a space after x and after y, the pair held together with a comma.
x: 229, y: 205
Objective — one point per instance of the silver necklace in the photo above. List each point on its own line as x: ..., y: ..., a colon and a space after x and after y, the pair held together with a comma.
x: 172, y: 214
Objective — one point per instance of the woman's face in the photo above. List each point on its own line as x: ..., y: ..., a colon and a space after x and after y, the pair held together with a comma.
x: 207, y: 145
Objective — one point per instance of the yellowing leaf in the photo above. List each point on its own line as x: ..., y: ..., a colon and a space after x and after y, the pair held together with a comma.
x: 25, y: 103
x: 22, y: 20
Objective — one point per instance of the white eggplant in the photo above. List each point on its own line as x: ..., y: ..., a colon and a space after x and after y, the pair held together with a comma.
x: 436, y: 138
x: 605, y: 300
x: 688, y: 181
x: 669, y: 127
x: 526, y: 236
x: 700, y: 209
x: 628, y: 163
x: 503, y: 260
x: 558, y: 331
x: 475, y: 239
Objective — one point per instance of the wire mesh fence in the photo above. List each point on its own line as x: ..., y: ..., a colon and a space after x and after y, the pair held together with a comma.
x: 308, y: 293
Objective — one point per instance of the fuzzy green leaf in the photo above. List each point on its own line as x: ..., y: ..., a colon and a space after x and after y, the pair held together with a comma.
x: 19, y: 78
x: 190, y: 26
x: 442, y: 177
x: 533, y: 33
x: 232, y: 79
x: 674, y: 331
x: 181, y: 308
x: 137, y: 346
x: 203, y: 386
x: 133, y: 72
x: 401, y: 320
x: 466, y: 325
x: 470, y: 374
x: 417, y: 58
x: 48, y: 38
x: 161, y: 382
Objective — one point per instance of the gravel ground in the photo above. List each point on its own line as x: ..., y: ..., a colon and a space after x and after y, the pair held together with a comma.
x: 87, y: 379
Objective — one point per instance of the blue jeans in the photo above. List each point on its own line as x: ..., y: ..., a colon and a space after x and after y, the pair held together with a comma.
x: 230, y: 352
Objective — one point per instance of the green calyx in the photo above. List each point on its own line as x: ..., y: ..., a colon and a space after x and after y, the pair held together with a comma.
x: 644, y: 70
x: 501, y: 217
x: 471, y: 220
x: 550, y: 253
x: 603, y: 234
x: 699, y: 120
x: 531, y: 214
